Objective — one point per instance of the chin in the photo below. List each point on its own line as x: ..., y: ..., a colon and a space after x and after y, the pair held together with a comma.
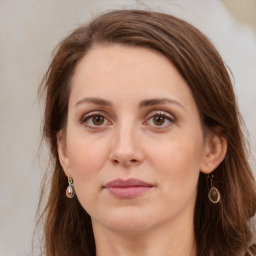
x: 128, y: 220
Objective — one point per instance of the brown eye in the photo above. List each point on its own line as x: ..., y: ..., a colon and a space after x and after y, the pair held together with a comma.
x: 98, y: 120
x: 158, y: 120
x: 94, y: 120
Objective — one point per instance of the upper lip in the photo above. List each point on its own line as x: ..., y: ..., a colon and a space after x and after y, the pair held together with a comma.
x: 119, y: 183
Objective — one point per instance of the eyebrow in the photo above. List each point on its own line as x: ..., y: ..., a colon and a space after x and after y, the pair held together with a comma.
x: 96, y: 101
x: 143, y: 104
x: 152, y: 102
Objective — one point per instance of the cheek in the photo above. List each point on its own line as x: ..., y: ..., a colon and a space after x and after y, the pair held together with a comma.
x: 87, y: 159
x: 181, y: 155
x: 178, y: 165
x: 86, y: 153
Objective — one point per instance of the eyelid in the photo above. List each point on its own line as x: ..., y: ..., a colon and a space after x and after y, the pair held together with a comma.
x: 94, y: 113
x: 161, y: 113
x: 170, y: 117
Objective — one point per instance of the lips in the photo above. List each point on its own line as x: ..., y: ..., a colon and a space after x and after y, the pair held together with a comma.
x: 127, y: 189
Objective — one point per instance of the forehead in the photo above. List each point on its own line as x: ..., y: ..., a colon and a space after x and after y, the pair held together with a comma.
x: 127, y: 71
x: 119, y: 57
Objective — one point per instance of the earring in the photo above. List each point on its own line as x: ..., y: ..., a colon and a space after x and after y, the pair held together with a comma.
x: 70, y: 191
x: 214, y: 193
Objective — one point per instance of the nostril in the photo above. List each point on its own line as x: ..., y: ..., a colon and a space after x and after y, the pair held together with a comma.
x: 115, y: 161
x: 132, y: 161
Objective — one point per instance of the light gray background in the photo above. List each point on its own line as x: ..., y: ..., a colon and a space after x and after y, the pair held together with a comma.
x: 29, y: 30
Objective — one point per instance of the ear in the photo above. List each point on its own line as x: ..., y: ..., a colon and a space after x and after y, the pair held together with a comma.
x: 215, y: 149
x: 62, y: 152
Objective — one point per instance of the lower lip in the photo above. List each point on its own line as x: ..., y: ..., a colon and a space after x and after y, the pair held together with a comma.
x: 128, y: 192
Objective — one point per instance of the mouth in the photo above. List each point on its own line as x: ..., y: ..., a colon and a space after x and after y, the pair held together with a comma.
x: 127, y: 189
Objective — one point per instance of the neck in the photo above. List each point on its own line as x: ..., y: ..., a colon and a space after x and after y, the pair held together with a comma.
x: 167, y: 239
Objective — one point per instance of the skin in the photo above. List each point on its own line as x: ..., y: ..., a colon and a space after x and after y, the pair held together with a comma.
x: 161, y: 143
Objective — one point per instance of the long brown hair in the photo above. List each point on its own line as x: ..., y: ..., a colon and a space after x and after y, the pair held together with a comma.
x: 224, y: 228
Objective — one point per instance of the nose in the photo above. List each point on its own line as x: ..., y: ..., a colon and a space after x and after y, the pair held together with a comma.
x: 126, y: 147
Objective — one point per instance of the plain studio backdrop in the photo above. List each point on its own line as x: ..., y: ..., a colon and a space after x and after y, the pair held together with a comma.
x: 29, y: 31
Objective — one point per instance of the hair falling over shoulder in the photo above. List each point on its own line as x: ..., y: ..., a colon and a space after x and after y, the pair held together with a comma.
x: 222, y: 229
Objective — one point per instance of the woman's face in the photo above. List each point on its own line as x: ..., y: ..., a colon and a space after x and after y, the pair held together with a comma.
x: 133, y: 143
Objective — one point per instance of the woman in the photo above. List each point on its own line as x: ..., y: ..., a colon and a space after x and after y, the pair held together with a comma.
x: 145, y: 139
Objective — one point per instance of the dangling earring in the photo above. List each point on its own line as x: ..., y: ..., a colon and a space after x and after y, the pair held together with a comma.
x: 70, y: 191
x: 214, y: 193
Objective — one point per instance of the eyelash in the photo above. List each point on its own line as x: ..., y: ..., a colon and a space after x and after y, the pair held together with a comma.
x: 86, y: 118
x: 166, y: 117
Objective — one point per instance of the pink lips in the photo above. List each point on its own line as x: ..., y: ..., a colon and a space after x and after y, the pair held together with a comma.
x: 125, y: 189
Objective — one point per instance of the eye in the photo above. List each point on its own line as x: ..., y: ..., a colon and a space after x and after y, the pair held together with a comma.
x: 160, y: 120
x: 95, y: 120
